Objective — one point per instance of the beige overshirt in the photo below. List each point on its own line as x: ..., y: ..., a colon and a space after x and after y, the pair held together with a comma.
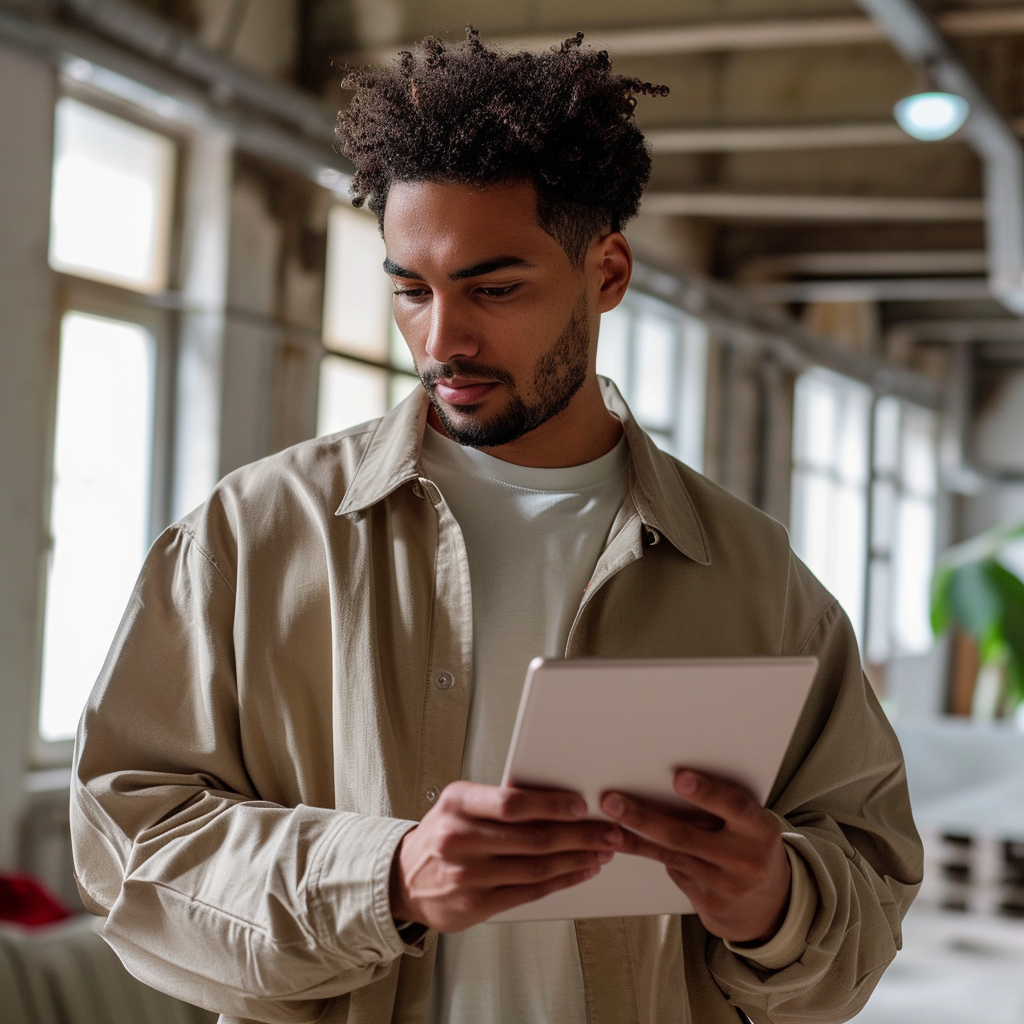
x: 288, y: 692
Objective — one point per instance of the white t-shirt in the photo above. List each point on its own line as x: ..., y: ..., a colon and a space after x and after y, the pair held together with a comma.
x: 533, y: 537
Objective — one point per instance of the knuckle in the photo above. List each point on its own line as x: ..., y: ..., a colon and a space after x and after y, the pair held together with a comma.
x: 509, y: 802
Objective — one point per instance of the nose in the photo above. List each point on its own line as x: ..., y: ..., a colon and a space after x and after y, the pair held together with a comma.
x: 450, y: 335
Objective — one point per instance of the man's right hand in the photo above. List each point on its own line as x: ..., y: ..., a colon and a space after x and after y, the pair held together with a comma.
x: 484, y: 849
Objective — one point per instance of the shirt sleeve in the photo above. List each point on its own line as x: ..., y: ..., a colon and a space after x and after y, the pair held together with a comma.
x: 211, y: 894
x: 789, y: 942
x: 843, y: 807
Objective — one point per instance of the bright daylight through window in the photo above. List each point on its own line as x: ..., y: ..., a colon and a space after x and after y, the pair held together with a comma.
x: 99, y: 507
x: 367, y: 368
x: 864, y: 507
x: 112, y: 197
x: 657, y: 356
x: 111, y: 211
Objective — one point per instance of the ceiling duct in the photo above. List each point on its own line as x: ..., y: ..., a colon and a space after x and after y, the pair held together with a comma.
x: 144, y: 33
x: 991, y: 137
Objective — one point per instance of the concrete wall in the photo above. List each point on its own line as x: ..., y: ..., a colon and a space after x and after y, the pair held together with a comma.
x: 27, y: 384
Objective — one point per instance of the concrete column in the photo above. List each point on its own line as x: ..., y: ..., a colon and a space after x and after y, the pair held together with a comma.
x: 28, y: 328
x: 198, y: 412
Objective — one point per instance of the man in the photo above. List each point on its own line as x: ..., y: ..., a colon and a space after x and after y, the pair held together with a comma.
x: 286, y: 800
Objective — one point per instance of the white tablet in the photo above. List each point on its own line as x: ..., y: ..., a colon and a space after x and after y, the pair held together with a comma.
x: 593, y: 725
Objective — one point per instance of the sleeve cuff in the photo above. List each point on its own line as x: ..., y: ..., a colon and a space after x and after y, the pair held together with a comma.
x: 790, y: 941
x: 352, y: 888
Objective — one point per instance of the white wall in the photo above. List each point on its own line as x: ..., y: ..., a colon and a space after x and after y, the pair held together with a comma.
x: 27, y: 375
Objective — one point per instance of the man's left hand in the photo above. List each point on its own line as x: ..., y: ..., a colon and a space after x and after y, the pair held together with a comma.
x: 731, y: 862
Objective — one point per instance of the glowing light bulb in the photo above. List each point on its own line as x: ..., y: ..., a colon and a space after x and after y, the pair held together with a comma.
x: 931, y: 116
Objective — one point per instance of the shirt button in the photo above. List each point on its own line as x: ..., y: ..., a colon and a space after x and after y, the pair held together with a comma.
x: 444, y: 680
x: 431, y: 794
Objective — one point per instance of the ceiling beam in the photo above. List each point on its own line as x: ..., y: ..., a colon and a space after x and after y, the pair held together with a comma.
x: 922, y: 45
x: 735, y: 319
x: 826, y: 208
x: 892, y: 289
x: 785, y: 137
x: 890, y: 262
x: 144, y: 81
x: 768, y: 34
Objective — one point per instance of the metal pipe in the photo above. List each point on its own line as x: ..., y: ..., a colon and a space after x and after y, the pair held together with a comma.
x: 116, y: 71
x: 728, y: 312
x: 992, y: 138
x: 131, y: 26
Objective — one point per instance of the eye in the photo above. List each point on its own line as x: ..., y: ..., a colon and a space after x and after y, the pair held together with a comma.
x: 498, y: 291
x: 411, y: 293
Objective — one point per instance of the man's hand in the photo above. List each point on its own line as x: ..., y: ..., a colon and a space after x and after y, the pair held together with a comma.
x: 484, y: 849
x: 731, y: 862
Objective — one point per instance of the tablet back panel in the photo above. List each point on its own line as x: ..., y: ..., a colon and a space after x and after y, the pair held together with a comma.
x: 592, y: 725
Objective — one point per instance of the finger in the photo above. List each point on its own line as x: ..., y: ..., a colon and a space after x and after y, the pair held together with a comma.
x: 663, y: 829
x: 478, y: 837
x: 497, y: 872
x: 511, y: 803
x: 725, y: 799
x: 511, y: 896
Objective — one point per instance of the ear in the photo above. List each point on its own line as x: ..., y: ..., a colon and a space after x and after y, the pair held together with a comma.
x: 613, y: 268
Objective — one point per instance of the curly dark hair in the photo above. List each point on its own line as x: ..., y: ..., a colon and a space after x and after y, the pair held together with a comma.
x: 471, y: 114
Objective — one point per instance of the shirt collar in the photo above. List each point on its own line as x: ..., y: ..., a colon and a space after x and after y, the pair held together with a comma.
x: 392, y: 457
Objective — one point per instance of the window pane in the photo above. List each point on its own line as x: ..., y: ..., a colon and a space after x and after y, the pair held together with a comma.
x: 100, y: 504
x: 878, y: 647
x: 613, y: 347
x: 853, y: 439
x: 848, y: 561
x: 914, y: 556
x: 401, y: 357
x: 883, y: 515
x: 919, y: 468
x: 816, y: 416
x: 350, y: 393
x: 357, y: 292
x: 112, y: 194
x: 400, y: 387
x: 657, y: 340
x: 887, y: 434
x: 693, y: 374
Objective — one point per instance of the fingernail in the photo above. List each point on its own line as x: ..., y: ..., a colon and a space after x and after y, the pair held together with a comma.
x: 578, y: 808
x: 686, y: 782
x: 605, y: 856
x: 614, y: 805
x: 591, y: 873
x: 613, y: 837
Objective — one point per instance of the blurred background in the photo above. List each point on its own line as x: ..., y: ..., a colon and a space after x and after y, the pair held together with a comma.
x: 825, y: 319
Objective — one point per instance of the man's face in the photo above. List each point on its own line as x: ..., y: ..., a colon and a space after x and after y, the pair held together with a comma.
x: 498, y: 320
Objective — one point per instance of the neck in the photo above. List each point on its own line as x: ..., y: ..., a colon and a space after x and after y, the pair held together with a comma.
x: 583, y: 431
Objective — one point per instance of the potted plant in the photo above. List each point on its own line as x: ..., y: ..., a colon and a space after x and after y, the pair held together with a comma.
x: 976, y: 588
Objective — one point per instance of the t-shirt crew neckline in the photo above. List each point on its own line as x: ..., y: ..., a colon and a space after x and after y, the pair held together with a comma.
x: 438, y: 447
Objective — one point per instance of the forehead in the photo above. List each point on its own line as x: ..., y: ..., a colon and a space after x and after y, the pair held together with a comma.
x: 440, y: 225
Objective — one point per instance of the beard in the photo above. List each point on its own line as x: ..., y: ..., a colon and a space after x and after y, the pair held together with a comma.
x: 558, y: 375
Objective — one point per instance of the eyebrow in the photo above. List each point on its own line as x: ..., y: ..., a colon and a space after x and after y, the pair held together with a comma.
x: 476, y: 270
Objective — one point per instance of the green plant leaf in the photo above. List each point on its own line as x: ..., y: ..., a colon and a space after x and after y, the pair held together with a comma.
x: 974, y: 599
x: 941, y: 610
x: 1011, y: 623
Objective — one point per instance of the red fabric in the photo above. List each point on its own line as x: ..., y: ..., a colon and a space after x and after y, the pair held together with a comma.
x: 26, y: 902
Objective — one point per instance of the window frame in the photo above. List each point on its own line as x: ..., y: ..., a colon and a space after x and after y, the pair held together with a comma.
x: 157, y: 313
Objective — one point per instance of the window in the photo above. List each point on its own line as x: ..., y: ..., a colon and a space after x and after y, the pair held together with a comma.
x: 865, y: 483
x: 904, y: 489
x: 366, y: 368
x: 110, y: 231
x: 99, y: 516
x: 112, y: 198
x: 657, y: 356
x: 830, y: 480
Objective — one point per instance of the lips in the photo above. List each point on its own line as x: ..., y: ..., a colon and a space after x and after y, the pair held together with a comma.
x: 461, y: 391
